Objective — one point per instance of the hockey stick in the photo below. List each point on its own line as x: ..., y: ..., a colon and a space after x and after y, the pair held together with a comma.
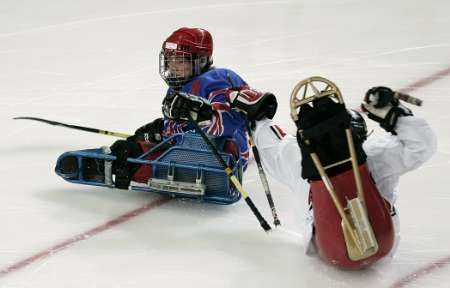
x: 82, y: 128
x: 231, y: 176
x: 408, y: 98
x: 262, y: 176
x: 403, y: 97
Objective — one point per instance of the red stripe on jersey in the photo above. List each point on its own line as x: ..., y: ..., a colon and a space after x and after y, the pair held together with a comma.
x: 278, y: 131
x: 220, y: 106
x: 196, y: 87
x: 251, y: 95
x: 217, y: 92
x: 216, y: 127
x: 281, y: 131
x: 245, y: 155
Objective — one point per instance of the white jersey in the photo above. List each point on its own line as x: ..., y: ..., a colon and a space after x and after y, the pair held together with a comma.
x: 388, y: 157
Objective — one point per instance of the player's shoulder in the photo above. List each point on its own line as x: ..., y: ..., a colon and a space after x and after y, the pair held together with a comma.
x: 219, y: 73
x: 380, y: 144
x: 217, y: 79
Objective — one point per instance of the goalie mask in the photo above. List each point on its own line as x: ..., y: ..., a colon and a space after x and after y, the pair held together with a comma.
x: 185, y: 54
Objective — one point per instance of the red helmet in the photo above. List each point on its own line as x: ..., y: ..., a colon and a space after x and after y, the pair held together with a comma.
x: 196, y: 41
x: 185, y: 54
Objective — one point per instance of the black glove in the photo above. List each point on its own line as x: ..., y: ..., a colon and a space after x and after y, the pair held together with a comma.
x: 123, y: 170
x: 123, y: 149
x: 382, y: 106
x: 179, y: 105
x: 255, y: 104
x: 151, y: 132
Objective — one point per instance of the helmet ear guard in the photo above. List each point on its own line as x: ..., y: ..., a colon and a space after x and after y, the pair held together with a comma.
x: 205, y: 62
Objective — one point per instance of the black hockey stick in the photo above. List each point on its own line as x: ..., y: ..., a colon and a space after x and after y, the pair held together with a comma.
x: 87, y: 129
x: 262, y: 176
x: 231, y: 176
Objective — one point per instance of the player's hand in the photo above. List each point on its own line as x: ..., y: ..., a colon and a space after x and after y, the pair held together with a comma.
x: 123, y: 149
x: 381, y: 106
x: 179, y: 105
x: 255, y: 104
x: 151, y: 132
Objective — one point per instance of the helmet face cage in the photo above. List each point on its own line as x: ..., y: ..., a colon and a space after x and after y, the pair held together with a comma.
x: 178, y: 67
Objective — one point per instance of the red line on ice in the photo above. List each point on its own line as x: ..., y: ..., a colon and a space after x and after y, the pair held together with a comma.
x: 426, y: 81
x: 403, y: 282
x: 421, y: 272
x: 83, y: 236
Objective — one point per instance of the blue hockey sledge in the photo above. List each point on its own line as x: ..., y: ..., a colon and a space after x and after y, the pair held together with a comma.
x: 188, y: 169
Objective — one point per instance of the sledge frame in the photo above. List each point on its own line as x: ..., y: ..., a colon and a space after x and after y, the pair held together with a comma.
x: 358, y: 233
x: 209, y: 182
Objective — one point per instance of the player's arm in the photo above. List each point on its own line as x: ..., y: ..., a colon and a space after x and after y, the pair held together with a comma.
x: 412, y: 141
x: 179, y: 105
x: 280, y: 153
x: 214, y: 116
x: 225, y: 121
x: 151, y: 132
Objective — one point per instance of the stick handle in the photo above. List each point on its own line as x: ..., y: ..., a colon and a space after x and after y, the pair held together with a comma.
x: 408, y: 98
x: 262, y: 176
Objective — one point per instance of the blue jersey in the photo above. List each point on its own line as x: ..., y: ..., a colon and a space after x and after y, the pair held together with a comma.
x: 214, y: 85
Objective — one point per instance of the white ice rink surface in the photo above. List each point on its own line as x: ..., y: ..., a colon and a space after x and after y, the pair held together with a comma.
x: 95, y: 63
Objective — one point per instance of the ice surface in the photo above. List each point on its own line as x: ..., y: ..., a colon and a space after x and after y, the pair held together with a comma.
x: 95, y: 63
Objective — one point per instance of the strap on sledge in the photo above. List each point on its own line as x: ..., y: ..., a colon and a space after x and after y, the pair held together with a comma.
x: 358, y: 233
